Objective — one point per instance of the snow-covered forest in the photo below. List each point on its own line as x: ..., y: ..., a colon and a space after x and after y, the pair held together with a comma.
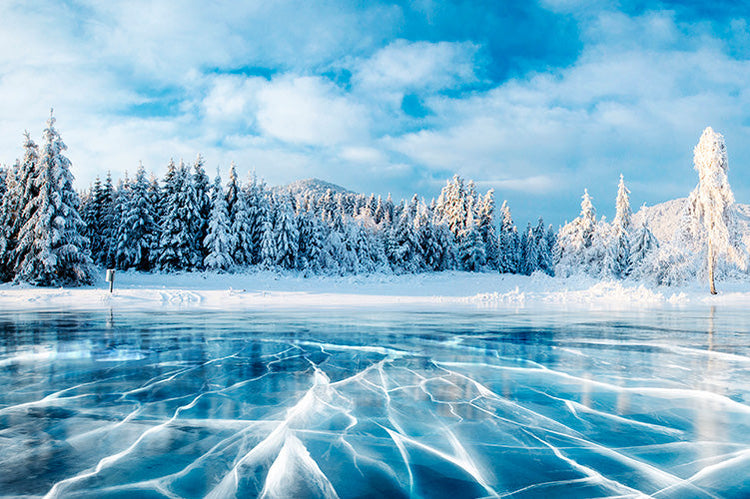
x: 52, y: 235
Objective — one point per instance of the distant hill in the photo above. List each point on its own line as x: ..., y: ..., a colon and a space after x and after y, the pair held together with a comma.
x: 664, y: 218
x: 312, y: 186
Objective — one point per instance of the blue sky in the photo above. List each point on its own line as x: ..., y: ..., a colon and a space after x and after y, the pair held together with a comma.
x: 536, y: 100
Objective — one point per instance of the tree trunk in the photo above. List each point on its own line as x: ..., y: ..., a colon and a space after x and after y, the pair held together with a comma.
x: 711, y: 265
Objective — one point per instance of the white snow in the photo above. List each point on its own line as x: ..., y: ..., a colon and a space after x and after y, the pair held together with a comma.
x: 267, y: 289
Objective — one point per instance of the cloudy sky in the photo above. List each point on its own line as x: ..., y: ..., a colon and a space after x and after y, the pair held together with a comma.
x: 536, y: 100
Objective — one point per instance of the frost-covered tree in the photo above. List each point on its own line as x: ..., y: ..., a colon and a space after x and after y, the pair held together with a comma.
x: 529, y: 251
x: 219, y: 240
x: 712, y: 203
x: 486, y: 224
x: 575, y: 240
x: 404, y: 246
x: 176, y: 244
x: 202, y: 208
x: 643, y: 245
x: 618, y: 258
x: 241, y: 230
x: 138, y: 230
x: 52, y: 249
x: 268, y: 246
x: 471, y: 249
x: 544, y: 252
x: 285, y: 234
x: 509, y: 243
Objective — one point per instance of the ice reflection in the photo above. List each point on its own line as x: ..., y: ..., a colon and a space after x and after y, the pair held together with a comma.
x: 377, y: 403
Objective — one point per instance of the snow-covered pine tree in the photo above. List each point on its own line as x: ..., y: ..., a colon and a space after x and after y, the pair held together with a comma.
x: 426, y: 239
x: 20, y: 193
x: 256, y: 202
x: 175, y: 242
x: 138, y: 237
x: 486, y: 222
x: 108, y: 222
x: 452, y: 206
x: 530, y: 251
x: 644, y: 243
x: 403, y: 244
x: 241, y: 230
x: 219, y: 241
x: 618, y: 259
x: 121, y: 238
x: 286, y: 235
x: 155, y: 200
x: 8, y: 214
x: 471, y: 255
x: 268, y: 255
x: 544, y: 252
x: 509, y: 251
x: 575, y: 239
x: 202, y: 207
x: 52, y: 249
x: 713, y: 204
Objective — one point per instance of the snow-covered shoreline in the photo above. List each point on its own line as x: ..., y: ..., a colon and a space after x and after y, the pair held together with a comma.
x: 257, y: 290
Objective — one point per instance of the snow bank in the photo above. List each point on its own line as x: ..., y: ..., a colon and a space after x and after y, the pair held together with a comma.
x: 270, y: 289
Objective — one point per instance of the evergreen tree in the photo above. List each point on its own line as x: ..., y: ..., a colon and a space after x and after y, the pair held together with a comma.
x: 403, y: 248
x: 286, y: 236
x: 486, y: 222
x: 530, y: 251
x: 471, y: 251
x: 241, y: 231
x: 544, y: 252
x: 202, y: 208
x: 52, y: 249
x: 643, y: 246
x: 574, y: 242
x: 619, y: 251
x: 108, y: 221
x: 138, y: 238
x: 8, y: 215
x: 219, y: 241
x: 21, y: 190
x: 509, y: 250
x: 268, y: 255
x: 175, y: 243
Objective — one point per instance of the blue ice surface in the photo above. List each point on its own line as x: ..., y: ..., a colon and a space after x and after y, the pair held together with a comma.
x: 375, y: 403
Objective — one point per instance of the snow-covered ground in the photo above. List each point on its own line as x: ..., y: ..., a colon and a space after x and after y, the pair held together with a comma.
x: 270, y: 289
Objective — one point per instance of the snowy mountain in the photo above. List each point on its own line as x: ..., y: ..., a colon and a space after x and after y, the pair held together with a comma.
x: 313, y: 186
x: 664, y: 218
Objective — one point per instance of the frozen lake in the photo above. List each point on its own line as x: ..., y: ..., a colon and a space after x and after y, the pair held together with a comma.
x: 376, y: 402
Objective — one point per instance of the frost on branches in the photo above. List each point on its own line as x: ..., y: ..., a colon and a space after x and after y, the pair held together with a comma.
x: 711, y: 224
x: 51, y: 249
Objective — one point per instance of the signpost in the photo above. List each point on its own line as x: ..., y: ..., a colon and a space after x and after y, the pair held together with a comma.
x: 110, y: 278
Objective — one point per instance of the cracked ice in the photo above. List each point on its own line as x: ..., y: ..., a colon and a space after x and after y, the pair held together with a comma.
x: 353, y: 404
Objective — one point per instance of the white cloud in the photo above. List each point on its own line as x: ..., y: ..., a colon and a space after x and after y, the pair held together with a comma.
x: 411, y: 66
x: 309, y: 111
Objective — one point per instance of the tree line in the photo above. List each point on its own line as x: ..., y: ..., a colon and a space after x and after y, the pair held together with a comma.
x: 51, y: 235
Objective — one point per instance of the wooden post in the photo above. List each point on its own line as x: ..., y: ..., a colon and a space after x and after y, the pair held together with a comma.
x: 110, y: 278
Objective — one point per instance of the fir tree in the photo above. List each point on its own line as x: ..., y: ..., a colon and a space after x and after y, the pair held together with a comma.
x: 509, y: 250
x: 219, y: 241
x: 175, y: 242
x: 52, y: 249
x: 486, y: 223
x: 619, y: 251
x: 202, y: 208
x: 286, y: 236
x: 138, y: 239
x: 643, y: 246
